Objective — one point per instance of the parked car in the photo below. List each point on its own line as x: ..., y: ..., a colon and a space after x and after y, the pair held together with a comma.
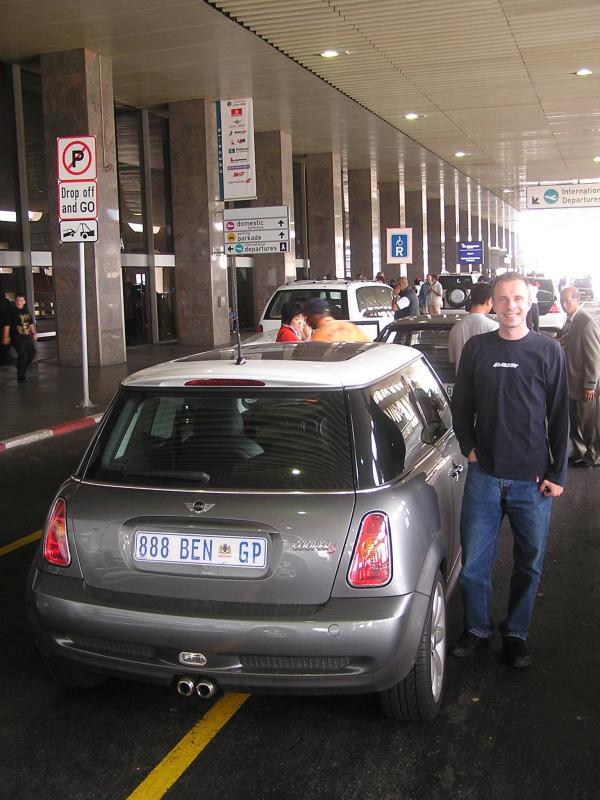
x: 430, y: 336
x: 289, y: 524
x: 551, y: 314
x: 585, y: 288
x: 457, y: 287
x: 366, y: 303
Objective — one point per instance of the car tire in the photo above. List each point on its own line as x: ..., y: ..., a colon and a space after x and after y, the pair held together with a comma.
x: 72, y: 676
x: 456, y: 297
x: 418, y: 697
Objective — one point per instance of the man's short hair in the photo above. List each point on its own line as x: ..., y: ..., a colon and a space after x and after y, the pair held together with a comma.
x: 506, y: 277
x: 571, y: 291
x: 317, y: 307
x: 21, y: 294
x: 480, y: 294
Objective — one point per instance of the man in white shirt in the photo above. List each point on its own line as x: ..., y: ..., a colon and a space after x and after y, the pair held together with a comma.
x: 473, y: 323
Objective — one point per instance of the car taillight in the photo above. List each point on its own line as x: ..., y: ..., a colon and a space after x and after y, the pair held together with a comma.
x: 554, y: 309
x: 371, y: 562
x: 260, y: 329
x: 56, y: 545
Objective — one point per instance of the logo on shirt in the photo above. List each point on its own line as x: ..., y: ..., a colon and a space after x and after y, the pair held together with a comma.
x: 505, y: 364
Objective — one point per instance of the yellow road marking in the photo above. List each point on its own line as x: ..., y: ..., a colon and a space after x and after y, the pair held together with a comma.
x: 8, y: 548
x: 175, y: 763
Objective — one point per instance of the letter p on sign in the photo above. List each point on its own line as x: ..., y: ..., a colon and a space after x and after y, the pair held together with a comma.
x: 76, y: 158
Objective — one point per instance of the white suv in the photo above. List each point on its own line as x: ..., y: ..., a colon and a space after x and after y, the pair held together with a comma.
x: 366, y: 303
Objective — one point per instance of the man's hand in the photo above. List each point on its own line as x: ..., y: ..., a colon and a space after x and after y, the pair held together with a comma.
x: 6, y: 340
x: 589, y: 395
x: 472, y: 457
x: 549, y: 489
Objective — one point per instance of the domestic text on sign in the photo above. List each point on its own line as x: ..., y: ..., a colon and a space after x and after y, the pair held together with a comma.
x: 76, y: 158
x: 256, y: 231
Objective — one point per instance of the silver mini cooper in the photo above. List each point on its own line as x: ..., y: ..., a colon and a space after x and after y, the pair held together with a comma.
x: 288, y: 524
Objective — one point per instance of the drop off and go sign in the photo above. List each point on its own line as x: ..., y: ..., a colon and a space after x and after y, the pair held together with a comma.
x: 77, y: 200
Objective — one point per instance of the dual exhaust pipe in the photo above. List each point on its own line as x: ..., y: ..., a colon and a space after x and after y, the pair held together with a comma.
x: 204, y: 688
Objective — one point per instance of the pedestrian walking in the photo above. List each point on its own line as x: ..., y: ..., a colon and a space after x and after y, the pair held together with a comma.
x: 19, y: 330
x: 511, y: 416
x: 474, y: 323
x: 436, y: 296
x: 424, y: 295
x: 580, y: 339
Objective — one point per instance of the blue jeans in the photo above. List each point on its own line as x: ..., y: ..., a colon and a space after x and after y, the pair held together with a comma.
x: 486, y: 500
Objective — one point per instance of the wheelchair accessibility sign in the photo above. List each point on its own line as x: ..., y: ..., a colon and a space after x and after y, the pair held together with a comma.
x: 399, y: 245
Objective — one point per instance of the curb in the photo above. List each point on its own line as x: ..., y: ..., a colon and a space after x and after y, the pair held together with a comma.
x: 48, y: 433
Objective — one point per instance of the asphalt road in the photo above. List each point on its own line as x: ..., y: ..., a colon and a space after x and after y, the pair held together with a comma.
x: 502, y: 733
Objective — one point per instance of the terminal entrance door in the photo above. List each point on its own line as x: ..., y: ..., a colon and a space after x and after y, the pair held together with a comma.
x: 136, y: 306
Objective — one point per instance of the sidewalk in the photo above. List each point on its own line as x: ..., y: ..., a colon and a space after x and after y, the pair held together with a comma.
x: 48, y: 402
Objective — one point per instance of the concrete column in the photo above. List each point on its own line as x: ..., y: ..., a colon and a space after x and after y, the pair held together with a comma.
x: 275, y: 185
x: 78, y: 101
x: 389, y: 217
x: 324, y: 214
x: 414, y: 220
x: 202, y: 305
x: 364, y: 222
x: 434, y: 235
x: 450, y: 233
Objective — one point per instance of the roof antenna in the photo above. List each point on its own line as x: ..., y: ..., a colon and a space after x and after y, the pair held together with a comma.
x: 234, y: 308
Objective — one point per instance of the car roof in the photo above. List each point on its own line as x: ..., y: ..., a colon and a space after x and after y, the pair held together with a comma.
x: 440, y: 321
x: 303, y: 365
x: 339, y: 283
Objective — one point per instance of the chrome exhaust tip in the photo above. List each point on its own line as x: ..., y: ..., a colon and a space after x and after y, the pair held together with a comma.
x: 185, y: 687
x: 205, y: 689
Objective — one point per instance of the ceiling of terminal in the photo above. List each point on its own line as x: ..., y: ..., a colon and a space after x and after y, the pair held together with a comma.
x: 492, y: 78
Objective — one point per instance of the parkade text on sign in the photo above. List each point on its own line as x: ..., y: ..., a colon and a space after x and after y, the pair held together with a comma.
x: 76, y: 158
x: 77, y: 200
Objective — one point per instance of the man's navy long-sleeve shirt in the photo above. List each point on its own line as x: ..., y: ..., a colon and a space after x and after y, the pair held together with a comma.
x: 511, y: 404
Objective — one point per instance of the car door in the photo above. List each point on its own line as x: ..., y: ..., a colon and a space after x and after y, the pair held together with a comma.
x: 435, y: 408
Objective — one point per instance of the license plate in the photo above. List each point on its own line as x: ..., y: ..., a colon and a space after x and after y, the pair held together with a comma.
x: 215, y: 551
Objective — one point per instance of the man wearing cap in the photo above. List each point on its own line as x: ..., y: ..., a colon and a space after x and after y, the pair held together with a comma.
x: 326, y: 328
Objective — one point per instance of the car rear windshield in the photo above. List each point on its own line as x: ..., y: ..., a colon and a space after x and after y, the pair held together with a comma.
x: 374, y: 298
x: 337, y: 299
x: 239, y: 439
x: 433, y: 343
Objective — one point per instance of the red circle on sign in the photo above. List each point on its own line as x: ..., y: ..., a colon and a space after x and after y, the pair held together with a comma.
x: 84, y: 161
x: 230, y: 226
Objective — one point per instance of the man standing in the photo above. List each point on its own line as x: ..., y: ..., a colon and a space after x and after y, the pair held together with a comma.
x: 326, y: 328
x: 436, y: 296
x: 510, y: 414
x: 405, y: 302
x: 580, y: 339
x: 474, y: 323
x: 19, y: 330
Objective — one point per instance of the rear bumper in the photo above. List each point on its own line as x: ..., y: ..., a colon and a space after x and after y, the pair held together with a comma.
x: 345, y: 646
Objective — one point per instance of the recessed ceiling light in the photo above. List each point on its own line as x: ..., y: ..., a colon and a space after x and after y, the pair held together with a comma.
x: 329, y: 54
x: 507, y: 191
x: 411, y: 115
x: 460, y: 154
x: 583, y: 72
x: 596, y: 159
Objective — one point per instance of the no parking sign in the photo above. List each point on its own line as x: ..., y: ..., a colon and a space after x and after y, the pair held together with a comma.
x: 76, y: 158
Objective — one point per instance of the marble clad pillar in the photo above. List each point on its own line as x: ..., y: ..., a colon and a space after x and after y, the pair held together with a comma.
x: 275, y: 187
x: 202, y: 304
x: 414, y: 220
x: 389, y: 217
x: 78, y: 101
x: 364, y: 223
x: 450, y: 233
x: 434, y: 235
x: 324, y: 214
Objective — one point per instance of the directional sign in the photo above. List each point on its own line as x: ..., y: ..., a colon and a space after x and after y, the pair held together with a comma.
x: 256, y: 231
x: 235, y: 149
x: 79, y: 231
x: 76, y: 158
x: 564, y: 195
x: 470, y: 252
x: 77, y: 200
x: 399, y: 245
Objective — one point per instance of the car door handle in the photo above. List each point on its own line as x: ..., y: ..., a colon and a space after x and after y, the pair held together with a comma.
x: 455, y: 471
